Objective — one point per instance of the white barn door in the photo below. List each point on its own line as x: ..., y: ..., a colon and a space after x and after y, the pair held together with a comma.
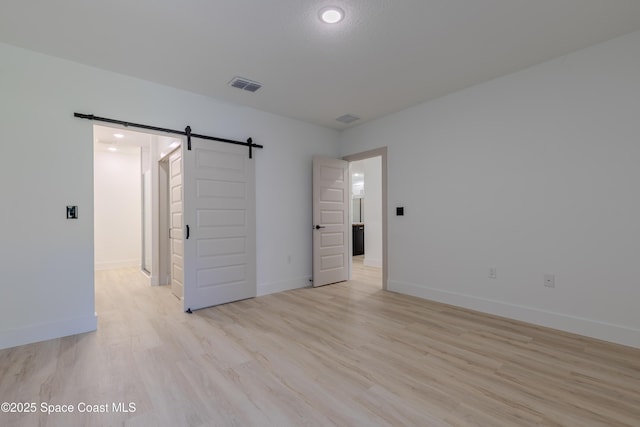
x: 219, y: 211
x: 331, y: 222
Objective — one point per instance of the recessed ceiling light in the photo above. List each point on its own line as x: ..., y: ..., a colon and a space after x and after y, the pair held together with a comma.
x: 331, y: 15
x: 118, y: 135
x: 112, y: 149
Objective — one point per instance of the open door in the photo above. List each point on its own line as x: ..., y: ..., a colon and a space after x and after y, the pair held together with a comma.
x: 330, y: 220
x: 176, y: 224
x: 219, y: 224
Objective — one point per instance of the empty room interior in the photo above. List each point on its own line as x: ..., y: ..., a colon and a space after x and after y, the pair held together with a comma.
x: 349, y: 213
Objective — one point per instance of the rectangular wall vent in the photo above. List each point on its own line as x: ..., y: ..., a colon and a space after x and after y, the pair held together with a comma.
x: 245, y: 84
x: 347, y: 118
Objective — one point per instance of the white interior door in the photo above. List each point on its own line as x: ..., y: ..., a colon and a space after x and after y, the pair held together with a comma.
x: 176, y: 224
x: 219, y: 206
x: 330, y: 220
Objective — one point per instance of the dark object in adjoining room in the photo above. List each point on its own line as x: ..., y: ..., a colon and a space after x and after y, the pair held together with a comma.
x: 358, y: 239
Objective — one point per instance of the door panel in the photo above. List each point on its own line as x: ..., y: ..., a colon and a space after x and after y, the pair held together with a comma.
x: 331, y: 214
x: 220, y: 210
x: 176, y: 224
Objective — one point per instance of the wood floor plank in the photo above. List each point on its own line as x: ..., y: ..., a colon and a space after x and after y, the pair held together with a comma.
x: 348, y: 354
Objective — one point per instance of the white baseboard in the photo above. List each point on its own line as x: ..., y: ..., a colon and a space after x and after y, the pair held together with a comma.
x: 372, y: 262
x: 287, y: 285
x: 42, y: 332
x: 577, y: 325
x: 112, y: 265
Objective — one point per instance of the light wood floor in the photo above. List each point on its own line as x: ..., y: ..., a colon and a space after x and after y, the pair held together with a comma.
x: 365, y: 275
x: 348, y: 354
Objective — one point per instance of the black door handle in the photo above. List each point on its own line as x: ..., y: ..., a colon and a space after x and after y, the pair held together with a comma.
x: 187, y: 232
x: 318, y: 227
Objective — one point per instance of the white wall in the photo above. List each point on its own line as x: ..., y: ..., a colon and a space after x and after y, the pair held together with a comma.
x: 373, y: 211
x: 46, y: 260
x: 117, y: 209
x: 534, y: 173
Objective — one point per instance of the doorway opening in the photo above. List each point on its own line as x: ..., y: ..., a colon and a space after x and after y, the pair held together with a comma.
x: 210, y: 242
x: 127, y: 188
x: 366, y: 220
x: 368, y: 188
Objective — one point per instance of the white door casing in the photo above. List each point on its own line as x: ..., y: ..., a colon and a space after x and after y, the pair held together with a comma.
x: 219, y: 206
x: 330, y: 220
x: 176, y: 223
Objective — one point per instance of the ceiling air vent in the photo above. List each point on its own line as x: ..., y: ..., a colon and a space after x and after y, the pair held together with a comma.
x: 347, y: 118
x: 245, y: 84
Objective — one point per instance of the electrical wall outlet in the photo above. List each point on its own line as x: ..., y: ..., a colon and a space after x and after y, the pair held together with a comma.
x: 492, y: 273
x: 550, y: 280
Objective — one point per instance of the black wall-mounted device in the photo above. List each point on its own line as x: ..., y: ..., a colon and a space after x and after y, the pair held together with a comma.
x: 72, y: 212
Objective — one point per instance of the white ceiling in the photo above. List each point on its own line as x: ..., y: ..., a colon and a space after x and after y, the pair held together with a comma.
x: 386, y: 55
x: 130, y: 142
x: 107, y: 135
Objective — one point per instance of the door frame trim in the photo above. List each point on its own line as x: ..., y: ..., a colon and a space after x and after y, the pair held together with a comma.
x: 378, y: 152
